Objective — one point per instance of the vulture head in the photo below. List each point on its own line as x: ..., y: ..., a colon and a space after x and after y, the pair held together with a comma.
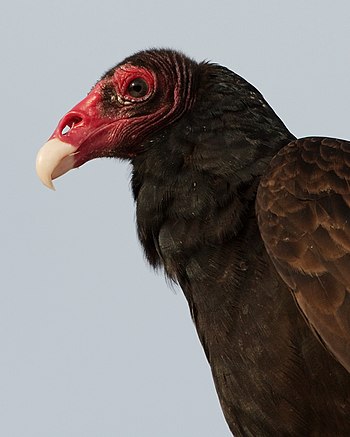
x: 138, y: 100
x: 131, y: 102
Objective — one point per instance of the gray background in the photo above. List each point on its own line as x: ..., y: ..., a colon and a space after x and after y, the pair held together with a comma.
x: 92, y: 342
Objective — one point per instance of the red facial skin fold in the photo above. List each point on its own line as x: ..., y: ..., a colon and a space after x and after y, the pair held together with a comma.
x: 87, y: 127
x: 94, y: 133
x: 125, y: 74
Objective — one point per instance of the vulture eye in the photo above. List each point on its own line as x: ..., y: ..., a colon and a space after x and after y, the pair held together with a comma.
x: 138, y: 88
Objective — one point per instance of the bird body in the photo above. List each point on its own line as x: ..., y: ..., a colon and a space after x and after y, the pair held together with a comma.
x: 200, y: 139
x: 271, y: 373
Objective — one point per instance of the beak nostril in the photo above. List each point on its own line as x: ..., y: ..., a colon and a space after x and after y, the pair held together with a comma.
x: 65, y: 130
x: 70, y: 123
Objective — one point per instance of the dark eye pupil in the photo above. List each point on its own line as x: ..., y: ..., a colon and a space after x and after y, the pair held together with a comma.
x: 138, y: 88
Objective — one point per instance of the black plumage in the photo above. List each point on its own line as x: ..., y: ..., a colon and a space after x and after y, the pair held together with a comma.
x: 201, y: 139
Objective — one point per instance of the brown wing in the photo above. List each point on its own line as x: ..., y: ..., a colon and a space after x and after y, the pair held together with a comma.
x: 303, y: 208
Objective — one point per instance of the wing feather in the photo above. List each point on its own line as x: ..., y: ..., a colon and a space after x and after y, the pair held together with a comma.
x: 303, y: 209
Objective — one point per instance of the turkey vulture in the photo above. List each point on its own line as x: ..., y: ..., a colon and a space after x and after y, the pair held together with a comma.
x: 253, y: 224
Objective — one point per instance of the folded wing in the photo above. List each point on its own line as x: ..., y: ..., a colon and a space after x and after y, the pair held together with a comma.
x: 303, y: 208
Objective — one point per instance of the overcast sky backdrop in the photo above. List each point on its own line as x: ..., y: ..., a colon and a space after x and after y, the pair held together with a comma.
x: 92, y: 342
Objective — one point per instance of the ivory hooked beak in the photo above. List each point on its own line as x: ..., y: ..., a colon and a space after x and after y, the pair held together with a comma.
x: 54, y: 159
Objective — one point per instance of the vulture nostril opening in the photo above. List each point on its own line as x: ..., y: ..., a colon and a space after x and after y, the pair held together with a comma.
x: 65, y: 130
x: 70, y: 123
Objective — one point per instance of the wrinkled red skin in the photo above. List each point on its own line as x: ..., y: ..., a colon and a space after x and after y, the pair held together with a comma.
x: 96, y: 134
x: 125, y: 74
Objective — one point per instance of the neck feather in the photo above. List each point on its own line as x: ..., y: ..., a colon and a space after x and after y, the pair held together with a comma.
x: 195, y: 184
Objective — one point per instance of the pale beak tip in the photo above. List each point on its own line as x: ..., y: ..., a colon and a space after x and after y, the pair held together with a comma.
x: 44, y: 177
x: 53, y: 160
x: 50, y: 185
